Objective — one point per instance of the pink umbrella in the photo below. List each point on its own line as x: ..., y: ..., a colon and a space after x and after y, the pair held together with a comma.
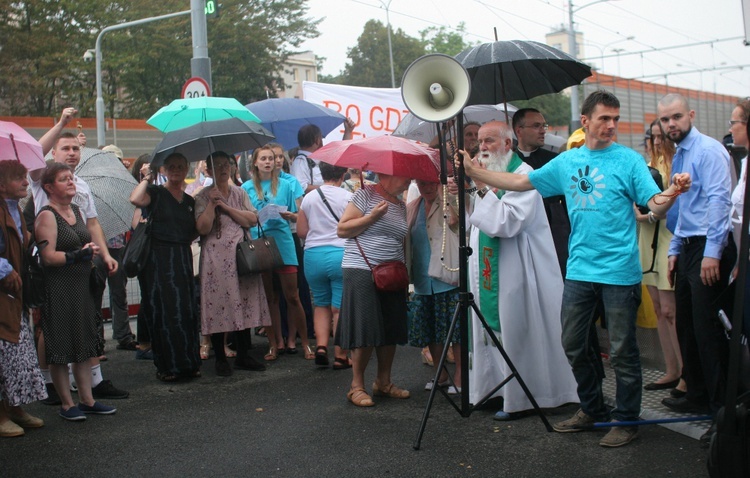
x: 16, y: 143
x: 383, y: 154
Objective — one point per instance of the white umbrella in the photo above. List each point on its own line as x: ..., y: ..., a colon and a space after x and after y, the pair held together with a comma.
x: 414, y: 128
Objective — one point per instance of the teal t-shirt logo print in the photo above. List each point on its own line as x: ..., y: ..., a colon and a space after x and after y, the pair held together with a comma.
x: 586, y: 185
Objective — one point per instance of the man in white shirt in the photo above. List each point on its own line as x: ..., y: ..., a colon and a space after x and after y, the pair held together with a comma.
x: 310, y: 139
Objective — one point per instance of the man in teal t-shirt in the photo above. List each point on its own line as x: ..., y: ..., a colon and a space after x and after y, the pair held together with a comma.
x: 600, y: 181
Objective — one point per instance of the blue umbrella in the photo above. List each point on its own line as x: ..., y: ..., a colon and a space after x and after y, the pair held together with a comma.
x: 285, y: 116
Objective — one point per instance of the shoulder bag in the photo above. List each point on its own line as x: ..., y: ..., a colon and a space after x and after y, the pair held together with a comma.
x: 257, y: 255
x: 390, y: 276
x: 34, y: 284
x: 135, y: 255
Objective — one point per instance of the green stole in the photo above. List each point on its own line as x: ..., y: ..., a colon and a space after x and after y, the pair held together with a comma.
x: 489, y: 253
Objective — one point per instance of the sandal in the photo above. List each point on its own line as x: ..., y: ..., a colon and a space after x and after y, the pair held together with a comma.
x: 204, y: 351
x: 321, y: 356
x: 358, y: 396
x: 229, y: 352
x: 166, y: 376
x: 272, y: 355
x: 389, y: 390
x: 309, y: 354
x: 342, y: 363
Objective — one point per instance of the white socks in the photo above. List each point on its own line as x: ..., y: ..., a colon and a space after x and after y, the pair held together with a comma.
x: 96, y: 375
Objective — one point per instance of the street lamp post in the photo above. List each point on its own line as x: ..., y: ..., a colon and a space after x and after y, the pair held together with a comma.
x: 100, y: 136
x: 614, y: 43
x: 575, y: 117
x: 390, y: 47
x: 617, y: 52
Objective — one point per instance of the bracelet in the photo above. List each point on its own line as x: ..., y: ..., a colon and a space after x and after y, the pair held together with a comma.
x: 471, y: 190
x: 483, y: 192
x: 651, y: 218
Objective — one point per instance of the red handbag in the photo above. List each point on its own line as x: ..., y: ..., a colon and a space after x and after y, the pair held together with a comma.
x: 390, y: 276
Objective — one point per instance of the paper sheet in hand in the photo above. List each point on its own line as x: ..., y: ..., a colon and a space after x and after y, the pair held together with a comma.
x: 271, y: 211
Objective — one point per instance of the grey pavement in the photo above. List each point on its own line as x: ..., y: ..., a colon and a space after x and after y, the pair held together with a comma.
x: 294, y: 420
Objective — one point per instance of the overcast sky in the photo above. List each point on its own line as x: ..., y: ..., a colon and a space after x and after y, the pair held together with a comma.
x: 709, y: 33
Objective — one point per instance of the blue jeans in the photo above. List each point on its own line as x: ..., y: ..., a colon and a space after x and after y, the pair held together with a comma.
x: 621, y: 307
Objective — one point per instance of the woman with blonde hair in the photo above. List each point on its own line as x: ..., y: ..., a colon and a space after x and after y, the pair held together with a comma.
x: 266, y: 188
x: 654, y: 266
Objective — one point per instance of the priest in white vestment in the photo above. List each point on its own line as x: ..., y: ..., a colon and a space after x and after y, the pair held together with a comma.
x: 516, y: 282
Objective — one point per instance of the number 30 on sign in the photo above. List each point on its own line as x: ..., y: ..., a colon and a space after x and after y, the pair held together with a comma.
x: 195, y: 88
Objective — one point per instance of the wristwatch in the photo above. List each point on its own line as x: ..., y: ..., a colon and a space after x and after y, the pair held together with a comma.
x: 483, y: 192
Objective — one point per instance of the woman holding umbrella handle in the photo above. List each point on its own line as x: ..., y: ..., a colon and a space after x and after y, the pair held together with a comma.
x: 374, y: 224
x: 167, y: 287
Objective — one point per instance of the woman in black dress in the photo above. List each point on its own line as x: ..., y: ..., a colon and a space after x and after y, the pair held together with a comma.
x: 70, y: 328
x: 168, y: 290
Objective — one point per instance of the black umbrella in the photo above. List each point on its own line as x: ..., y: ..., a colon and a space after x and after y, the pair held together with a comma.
x: 505, y: 71
x: 198, y: 141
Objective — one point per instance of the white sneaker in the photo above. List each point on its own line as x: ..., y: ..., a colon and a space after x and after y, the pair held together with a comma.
x: 428, y: 386
x: 454, y: 390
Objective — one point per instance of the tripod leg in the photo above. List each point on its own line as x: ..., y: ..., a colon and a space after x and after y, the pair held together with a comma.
x: 514, y: 371
x: 435, y: 387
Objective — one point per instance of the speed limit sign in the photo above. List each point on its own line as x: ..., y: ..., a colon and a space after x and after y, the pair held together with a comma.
x: 195, y: 88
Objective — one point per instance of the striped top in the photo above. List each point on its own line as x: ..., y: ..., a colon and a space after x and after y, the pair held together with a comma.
x: 382, y: 241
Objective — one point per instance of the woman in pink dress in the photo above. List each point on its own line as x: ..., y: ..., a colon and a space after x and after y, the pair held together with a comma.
x: 228, y: 303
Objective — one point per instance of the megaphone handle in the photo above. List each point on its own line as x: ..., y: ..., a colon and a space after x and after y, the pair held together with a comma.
x: 443, y: 159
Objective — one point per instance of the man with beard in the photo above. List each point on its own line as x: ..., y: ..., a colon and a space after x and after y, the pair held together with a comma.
x: 530, y: 129
x: 517, y: 284
x: 702, y: 255
x: 601, y: 181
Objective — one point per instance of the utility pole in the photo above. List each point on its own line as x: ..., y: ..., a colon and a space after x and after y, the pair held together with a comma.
x: 200, y: 64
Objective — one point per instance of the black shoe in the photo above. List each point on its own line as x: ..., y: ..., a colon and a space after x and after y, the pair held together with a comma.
x: 52, y: 397
x: 128, y: 344
x: 661, y: 386
x: 677, y: 393
x: 223, y: 369
x: 248, y: 363
x: 682, y: 405
x: 106, y: 390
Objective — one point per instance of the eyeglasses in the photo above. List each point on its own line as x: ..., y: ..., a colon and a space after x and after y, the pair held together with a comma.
x: 734, y: 122
x: 543, y: 126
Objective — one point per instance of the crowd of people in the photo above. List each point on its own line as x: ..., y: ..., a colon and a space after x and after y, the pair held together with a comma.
x: 555, y: 247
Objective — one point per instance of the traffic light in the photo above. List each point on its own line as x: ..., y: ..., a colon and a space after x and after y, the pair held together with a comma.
x: 212, y: 8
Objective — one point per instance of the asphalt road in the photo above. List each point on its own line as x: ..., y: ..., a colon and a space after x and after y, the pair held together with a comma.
x: 294, y: 420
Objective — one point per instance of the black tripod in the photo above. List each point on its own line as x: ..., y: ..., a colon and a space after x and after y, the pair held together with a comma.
x: 461, y: 314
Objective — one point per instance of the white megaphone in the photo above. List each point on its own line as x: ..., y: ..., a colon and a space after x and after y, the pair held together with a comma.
x: 435, y: 87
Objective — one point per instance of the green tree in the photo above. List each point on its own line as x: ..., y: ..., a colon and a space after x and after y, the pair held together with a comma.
x: 42, y: 43
x: 370, y: 61
x: 38, y: 40
x: 555, y: 107
x: 441, y: 40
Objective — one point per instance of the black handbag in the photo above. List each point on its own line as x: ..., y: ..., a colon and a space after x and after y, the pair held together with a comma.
x: 258, y: 255
x: 136, y: 251
x: 135, y: 255
x: 34, y: 285
x: 97, y: 281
